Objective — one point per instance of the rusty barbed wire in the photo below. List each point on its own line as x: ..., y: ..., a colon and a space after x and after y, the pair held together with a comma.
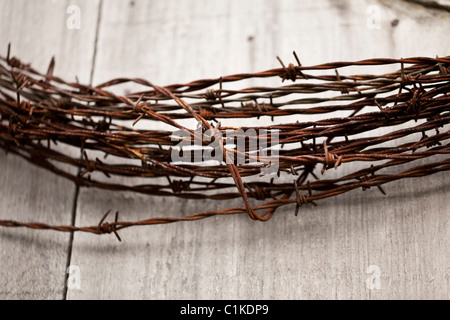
x: 42, y: 112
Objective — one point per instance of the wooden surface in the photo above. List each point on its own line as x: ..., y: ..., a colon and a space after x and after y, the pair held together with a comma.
x: 33, y: 265
x: 322, y: 254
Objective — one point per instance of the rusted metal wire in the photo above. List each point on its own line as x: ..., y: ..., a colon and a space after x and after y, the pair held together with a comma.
x: 41, y: 112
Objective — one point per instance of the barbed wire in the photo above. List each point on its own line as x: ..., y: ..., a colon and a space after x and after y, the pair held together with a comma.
x: 42, y: 112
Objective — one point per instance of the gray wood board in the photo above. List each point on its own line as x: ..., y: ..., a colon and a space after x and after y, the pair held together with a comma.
x: 33, y: 263
x: 326, y: 252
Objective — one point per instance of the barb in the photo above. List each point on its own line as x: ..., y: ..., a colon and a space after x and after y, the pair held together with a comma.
x: 105, y: 227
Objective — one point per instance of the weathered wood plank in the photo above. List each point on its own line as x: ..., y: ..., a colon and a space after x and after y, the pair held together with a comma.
x: 325, y: 252
x: 32, y: 263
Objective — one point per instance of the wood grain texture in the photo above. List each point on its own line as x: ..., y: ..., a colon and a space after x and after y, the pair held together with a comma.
x: 322, y: 254
x: 33, y: 264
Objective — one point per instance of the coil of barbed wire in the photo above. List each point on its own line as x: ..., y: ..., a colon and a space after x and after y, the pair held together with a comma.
x: 40, y: 112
